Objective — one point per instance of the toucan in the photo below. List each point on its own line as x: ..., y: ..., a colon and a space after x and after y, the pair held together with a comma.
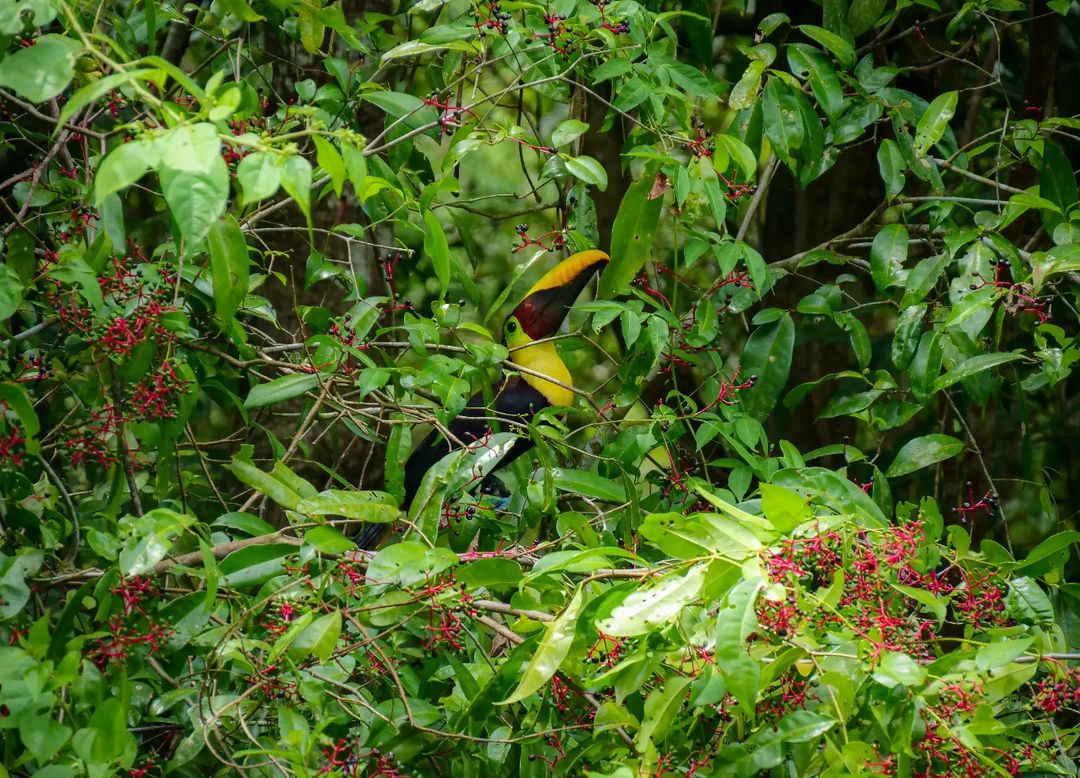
x: 518, y: 397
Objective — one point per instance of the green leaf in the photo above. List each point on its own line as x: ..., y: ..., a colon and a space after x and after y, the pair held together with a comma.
x: 995, y: 655
x: 328, y: 540
x: 783, y: 120
x: 745, y: 91
x: 244, y: 522
x: 970, y: 367
x: 843, y: 50
x: 553, y: 648
x: 259, y: 175
x: 1057, y: 182
x: 42, y: 71
x: 490, y: 574
x: 436, y: 247
x: 254, y: 565
x: 1048, y: 549
x: 892, y: 167
x: 194, y: 179
x: 280, y: 389
x: 241, y: 10
x: 15, y: 398
x: 923, y: 452
x: 568, y: 131
x: 584, y: 483
x: 767, y: 354
x: 631, y: 237
x: 644, y: 610
x: 331, y: 162
x: 735, y: 622
x: 887, y: 256
x: 296, y: 180
x: 281, y: 493
x: 11, y: 291
x: 825, y: 83
x: 906, y: 338
x: 863, y: 14
x: 150, y: 537
x: 802, y: 726
x: 14, y: 570
x: 931, y: 127
x: 1027, y: 602
x: 587, y: 169
x: 922, y: 278
x: 312, y: 29
x: 121, y: 168
x: 661, y: 706
x: 355, y: 164
x: 898, y: 669
x: 42, y: 735
x: 228, y: 266
x: 319, y: 638
x: 784, y: 508
x: 369, y: 506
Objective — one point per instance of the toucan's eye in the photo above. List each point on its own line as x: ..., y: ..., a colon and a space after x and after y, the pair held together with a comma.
x: 511, y: 326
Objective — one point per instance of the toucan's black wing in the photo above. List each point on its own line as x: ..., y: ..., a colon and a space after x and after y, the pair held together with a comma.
x: 515, y: 400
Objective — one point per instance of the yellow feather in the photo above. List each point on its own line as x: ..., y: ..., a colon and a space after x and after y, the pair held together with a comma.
x: 543, y: 358
x: 563, y: 272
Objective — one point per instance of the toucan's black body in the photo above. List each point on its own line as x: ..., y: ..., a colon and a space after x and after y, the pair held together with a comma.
x: 514, y: 401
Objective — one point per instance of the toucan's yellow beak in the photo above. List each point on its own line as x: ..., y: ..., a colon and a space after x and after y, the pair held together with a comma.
x: 547, y: 303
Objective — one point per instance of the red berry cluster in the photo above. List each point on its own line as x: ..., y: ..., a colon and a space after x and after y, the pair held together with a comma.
x: 278, y: 622
x: 1062, y: 691
x: 736, y: 191
x: 570, y: 702
x: 557, y: 37
x: 10, y: 448
x: 116, y: 646
x: 556, y: 235
x: 869, y: 605
x: 789, y: 693
x: 451, y: 115
x: 93, y: 440
x: 490, y: 18
x: 346, y: 759
x: 702, y: 145
x: 156, y: 398
x: 1018, y: 297
x: 606, y: 651
x: 134, y: 627
x: 619, y: 28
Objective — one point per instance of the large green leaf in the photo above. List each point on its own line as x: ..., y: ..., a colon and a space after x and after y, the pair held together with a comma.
x: 121, y: 168
x: 972, y: 366
x: 767, y: 354
x: 369, y: 506
x: 552, y: 650
x: 631, y: 237
x: 931, y: 127
x: 887, y: 256
x: 42, y: 71
x: 923, y: 452
x: 647, y: 609
x: 280, y: 389
x: 437, y: 249
x: 319, y: 638
x: 194, y: 179
x: 228, y: 267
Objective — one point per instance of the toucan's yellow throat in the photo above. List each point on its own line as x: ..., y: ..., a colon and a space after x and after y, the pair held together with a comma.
x: 540, y: 315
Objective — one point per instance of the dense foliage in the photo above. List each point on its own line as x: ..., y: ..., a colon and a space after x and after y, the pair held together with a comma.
x: 812, y: 512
